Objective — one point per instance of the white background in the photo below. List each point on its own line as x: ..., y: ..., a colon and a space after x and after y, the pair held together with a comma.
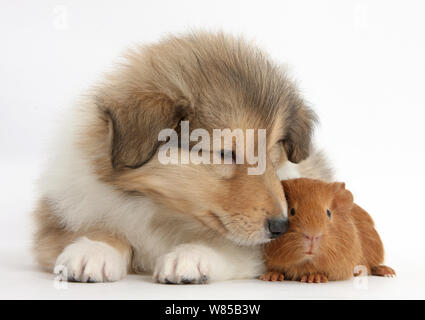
x: 360, y: 64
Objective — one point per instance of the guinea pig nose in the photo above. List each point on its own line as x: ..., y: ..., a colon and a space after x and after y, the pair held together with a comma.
x: 277, y: 226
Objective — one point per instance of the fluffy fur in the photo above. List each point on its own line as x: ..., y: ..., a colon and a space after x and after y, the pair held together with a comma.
x: 328, y: 236
x: 183, y: 223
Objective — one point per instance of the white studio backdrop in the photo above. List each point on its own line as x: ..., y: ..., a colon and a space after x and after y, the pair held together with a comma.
x: 360, y: 64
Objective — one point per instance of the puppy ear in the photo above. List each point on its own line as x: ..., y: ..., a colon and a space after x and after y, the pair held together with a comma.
x: 136, y: 123
x: 297, y: 142
x: 343, y: 199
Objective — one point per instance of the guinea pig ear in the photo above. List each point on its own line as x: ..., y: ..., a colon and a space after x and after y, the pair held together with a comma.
x: 343, y: 198
x: 300, y: 124
x: 135, y: 124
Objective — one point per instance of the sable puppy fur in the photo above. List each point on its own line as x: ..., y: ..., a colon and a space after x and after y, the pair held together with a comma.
x: 329, y: 235
x: 109, y: 206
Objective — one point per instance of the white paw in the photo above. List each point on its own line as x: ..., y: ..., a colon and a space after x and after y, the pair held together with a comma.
x: 186, y: 264
x: 86, y: 260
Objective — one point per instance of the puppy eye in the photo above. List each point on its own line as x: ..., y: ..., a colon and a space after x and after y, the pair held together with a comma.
x: 228, y: 154
x: 292, y: 212
x: 328, y: 213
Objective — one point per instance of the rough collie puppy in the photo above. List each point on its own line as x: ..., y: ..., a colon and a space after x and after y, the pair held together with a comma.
x: 108, y: 206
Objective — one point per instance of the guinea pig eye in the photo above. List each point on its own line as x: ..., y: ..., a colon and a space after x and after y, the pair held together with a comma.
x: 328, y: 213
x: 292, y: 212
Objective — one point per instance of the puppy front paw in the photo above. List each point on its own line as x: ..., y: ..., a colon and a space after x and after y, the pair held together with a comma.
x: 187, y: 264
x: 86, y: 260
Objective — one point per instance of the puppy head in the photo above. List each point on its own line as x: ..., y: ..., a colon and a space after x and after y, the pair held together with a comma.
x: 214, y: 82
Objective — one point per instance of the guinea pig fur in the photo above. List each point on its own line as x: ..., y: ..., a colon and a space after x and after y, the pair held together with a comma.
x: 328, y: 236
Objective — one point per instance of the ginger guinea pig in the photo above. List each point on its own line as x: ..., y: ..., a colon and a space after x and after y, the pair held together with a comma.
x: 328, y: 236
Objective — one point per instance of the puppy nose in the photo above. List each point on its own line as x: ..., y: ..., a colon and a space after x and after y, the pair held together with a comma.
x: 277, y: 226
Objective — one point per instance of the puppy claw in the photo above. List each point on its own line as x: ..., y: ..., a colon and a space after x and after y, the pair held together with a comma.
x: 188, y: 280
x: 204, y: 278
x: 169, y: 281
